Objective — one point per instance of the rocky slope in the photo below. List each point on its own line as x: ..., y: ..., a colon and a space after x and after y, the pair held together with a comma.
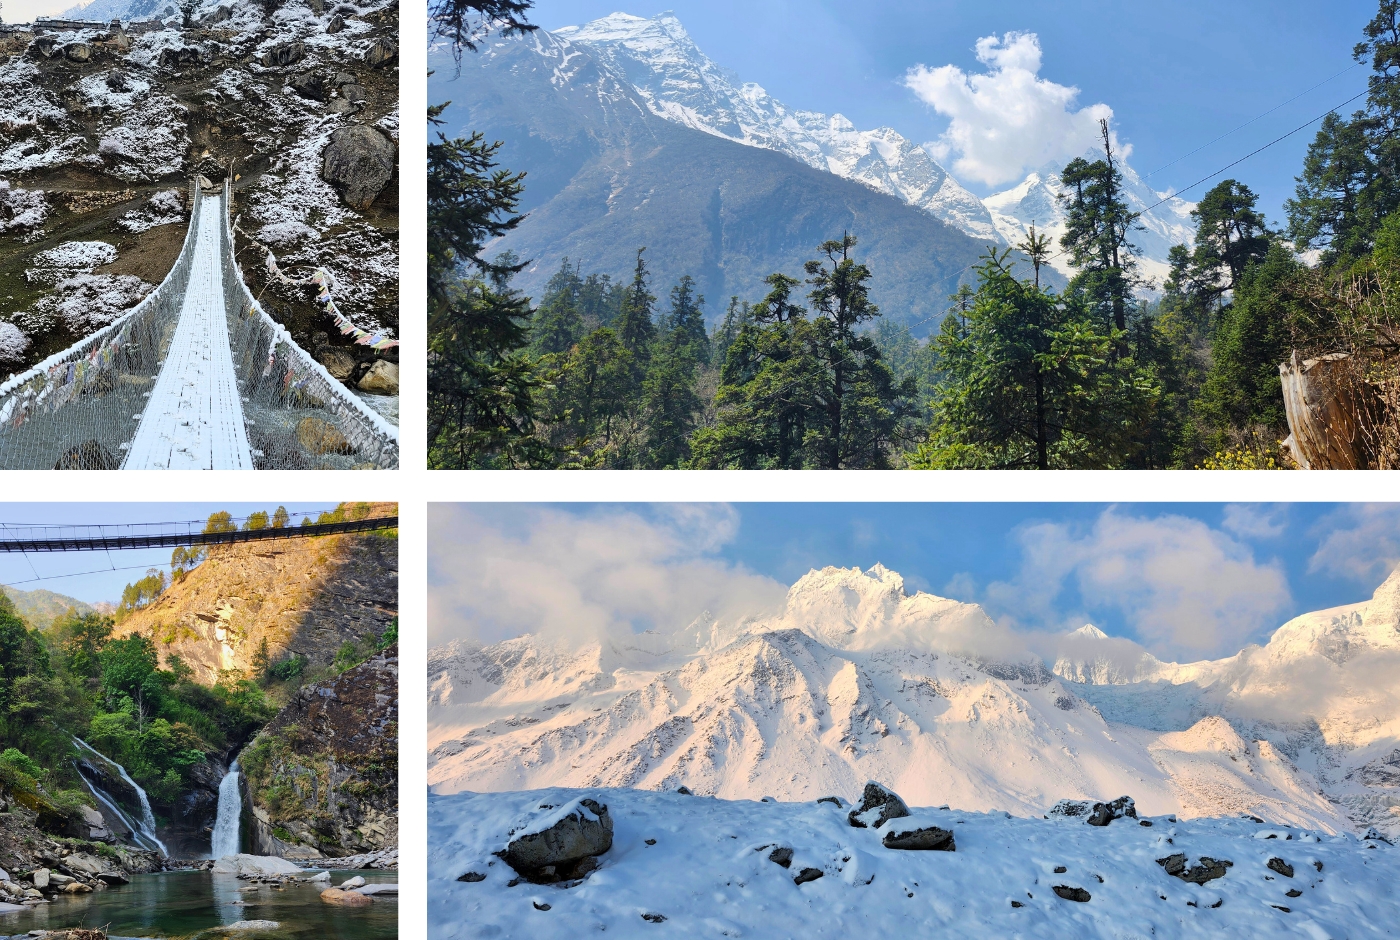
x: 304, y: 597
x: 322, y: 777
x: 103, y: 126
x: 857, y: 679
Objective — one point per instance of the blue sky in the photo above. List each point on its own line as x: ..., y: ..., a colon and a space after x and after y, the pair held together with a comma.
x: 100, y: 576
x: 1186, y: 580
x: 1176, y: 74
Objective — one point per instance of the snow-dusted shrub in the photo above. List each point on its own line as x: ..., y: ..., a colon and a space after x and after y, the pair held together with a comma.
x: 88, y: 302
x: 21, y: 210
x: 13, y: 343
x: 161, y: 209
x: 77, y: 256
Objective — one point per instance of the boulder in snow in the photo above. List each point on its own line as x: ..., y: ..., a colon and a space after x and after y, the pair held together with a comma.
x: 878, y: 806
x: 1104, y: 813
x: 1280, y: 866
x: 288, y: 53
x: 1070, y: 893
x: 381, y: 52
x: 358, y: 161
x: 902, y: 835
x: 563, y: 844
x: 806, y: 875
x: 1208, y: 870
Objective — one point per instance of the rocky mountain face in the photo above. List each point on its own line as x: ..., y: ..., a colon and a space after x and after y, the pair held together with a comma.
x: 680, y: 83
x: 103, y: 126
x: 304, y: 597
x: 856, y: 679
x: 608, y: 174
x: 322, y: 777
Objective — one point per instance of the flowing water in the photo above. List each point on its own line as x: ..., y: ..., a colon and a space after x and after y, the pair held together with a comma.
x: 143, y: 828
x: 226, y: 833
x: 189, y: 903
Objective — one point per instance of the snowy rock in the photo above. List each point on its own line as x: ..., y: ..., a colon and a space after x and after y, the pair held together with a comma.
x: 1104, y: 813
x: 806, y: 875
x: 243, y: 864
x: 1071, y: 809
x: 1071, y: 893
x: 877, y: 806
x: 77, y: 52
x: 335, y: 25
x: 284, y: 54
x: 310, y: 85
x: 557, y: 845
x: 381, y: 52
x: 901, y: 835
x: 358, y: 161
x: 381, y: 379
x: 1208, y: 870
x: 1279, y: 865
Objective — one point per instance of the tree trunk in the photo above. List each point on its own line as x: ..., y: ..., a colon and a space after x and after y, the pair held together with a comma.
x: 1331, y: 413
x: 1041, y: 445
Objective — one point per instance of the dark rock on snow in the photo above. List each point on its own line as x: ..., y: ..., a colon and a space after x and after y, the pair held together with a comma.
x: 1095, y: 813
x: 472, y: 877
x: 565, y: 850
x: 1208, y: 870
x: 782, y: 855
x: 927, y: 838
x: 1072, y: 894
x: 652, y: 918
x: 381, y: 52
x: 806, y: 875
x: 289, y: 53
x: 1280, y: 866
x: 876, y: 797
x: 358, y: 161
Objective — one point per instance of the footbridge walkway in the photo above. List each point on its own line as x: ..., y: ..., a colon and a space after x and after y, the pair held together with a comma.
x: 196, y: 377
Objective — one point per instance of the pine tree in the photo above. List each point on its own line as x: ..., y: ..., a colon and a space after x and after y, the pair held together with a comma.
x: 635, y: 325
x: 1231, y: 235
x: 686, y: 321
x: 1098, y: 226
x: 464, y: 23
x: 558, y: 323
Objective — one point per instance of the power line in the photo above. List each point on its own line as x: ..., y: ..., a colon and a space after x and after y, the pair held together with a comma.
x: 1252, y: 120
x: 61, y: 543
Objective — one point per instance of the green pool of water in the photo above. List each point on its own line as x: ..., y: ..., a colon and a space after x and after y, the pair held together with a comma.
x: 195, y: 903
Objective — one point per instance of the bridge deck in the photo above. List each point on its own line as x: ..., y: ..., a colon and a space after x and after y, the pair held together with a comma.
x: 194, y: 419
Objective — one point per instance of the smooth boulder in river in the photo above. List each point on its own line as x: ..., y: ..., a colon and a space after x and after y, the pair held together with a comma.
x: 254, y: 865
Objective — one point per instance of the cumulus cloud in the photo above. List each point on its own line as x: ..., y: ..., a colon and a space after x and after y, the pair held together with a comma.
x: 1007, y: 119
x: 1250, y: 521
x: 1362, y: 543
x: 497, y: 572
x: 1187, y: 590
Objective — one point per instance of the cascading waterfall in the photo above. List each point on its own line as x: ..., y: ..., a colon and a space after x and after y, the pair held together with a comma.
x: 226, y: 835
x: 144, y: 828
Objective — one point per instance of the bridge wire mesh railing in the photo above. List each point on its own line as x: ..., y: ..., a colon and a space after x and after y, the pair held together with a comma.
x: 298, y: 416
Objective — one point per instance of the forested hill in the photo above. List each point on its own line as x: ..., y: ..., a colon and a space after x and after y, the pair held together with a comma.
x: 38, y: 608
x: 605, y: 177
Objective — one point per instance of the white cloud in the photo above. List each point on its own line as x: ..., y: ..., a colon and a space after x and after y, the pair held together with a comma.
x: 1186, y: 590
x: 1249, y: 521
x: 1007, y: 119
x: 1362, y: 543
x: 501, y: 571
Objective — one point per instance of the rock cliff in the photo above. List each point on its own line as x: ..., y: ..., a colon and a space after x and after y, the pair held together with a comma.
x: 322, y: 776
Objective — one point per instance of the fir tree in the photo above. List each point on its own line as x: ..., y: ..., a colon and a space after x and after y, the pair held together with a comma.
x: 1098, y: 226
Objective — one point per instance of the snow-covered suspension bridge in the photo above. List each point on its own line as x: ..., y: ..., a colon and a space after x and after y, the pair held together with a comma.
x: 195, y: 377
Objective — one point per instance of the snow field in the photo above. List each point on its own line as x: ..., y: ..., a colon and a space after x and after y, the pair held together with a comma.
x: 708, y: 875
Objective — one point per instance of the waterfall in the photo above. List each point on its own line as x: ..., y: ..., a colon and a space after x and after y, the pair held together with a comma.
x: 226, y: 835
x: 144, y: 829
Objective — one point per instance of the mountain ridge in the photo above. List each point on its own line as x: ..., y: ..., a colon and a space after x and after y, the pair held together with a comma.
x: 841, y: 686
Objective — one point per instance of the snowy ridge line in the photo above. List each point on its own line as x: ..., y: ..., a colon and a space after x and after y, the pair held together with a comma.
x: 370, y: 431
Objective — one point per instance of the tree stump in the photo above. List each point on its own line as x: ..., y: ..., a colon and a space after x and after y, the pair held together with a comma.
x: 1329, y: 410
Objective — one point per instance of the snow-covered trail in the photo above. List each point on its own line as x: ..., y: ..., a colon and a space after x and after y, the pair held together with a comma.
x: 194, y: 419
x: 702, y: 866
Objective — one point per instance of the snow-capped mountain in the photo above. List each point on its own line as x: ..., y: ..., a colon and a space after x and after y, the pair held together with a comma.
x: 104, y: 11
x: 678, y: 82
x: 681, y: 84
x: 857, y: 679
x: 1035, y: 200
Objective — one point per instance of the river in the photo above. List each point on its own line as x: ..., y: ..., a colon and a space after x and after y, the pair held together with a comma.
x: 188, y: 903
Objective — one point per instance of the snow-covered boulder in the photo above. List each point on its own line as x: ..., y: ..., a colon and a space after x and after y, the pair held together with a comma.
x: 914, y: 834
x: 1208, y: 868
x: 1093, y: 812
x: 254, y: 865
x: 878, y: 806
x: 563, y: 843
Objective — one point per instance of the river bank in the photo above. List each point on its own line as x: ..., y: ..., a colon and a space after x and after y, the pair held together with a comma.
x: 201, y: 904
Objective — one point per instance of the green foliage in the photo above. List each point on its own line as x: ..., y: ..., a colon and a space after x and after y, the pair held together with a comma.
x: 255, y: 521
x: 220, y: 522
x: 288, y: 669
x: 18, y: 772
x: 141, y: 593
x: 389, y: 637
x: 280, y: 518
x: 1098, y: 227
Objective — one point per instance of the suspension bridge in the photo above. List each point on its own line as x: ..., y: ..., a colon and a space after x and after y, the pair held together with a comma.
x: 195, y: 377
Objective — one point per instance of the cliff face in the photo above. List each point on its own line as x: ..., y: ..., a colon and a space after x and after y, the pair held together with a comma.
x: 303, y: 596
x: 322, y: 776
